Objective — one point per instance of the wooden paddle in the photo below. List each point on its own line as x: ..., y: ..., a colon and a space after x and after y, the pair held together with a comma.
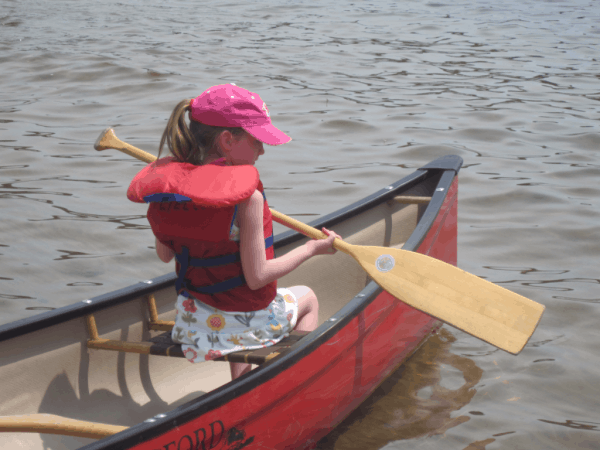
x: 476, y: 306
x: 52, y: 424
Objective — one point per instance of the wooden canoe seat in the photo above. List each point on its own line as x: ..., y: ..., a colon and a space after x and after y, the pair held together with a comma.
x: 163, y: 345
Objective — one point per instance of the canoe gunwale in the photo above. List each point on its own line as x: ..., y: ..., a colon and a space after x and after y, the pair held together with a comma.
x: 84, y: 307
x: 226, y: 393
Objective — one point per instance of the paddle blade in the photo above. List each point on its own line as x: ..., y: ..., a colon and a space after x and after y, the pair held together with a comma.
x: 469, y: 303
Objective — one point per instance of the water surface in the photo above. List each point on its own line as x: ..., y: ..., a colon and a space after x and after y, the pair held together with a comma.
x: 369, y: 92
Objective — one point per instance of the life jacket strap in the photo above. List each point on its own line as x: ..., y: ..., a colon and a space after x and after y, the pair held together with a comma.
x: 166, y: 197
x: 215, y: 261
x: 185, y: 262
x: 207, y: 262
x: 216, y: 288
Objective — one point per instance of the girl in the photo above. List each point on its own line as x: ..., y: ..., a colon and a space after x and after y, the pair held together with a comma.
x: 208, y: 210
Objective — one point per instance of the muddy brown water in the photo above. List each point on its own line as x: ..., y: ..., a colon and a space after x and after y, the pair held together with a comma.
x: 369, y: 91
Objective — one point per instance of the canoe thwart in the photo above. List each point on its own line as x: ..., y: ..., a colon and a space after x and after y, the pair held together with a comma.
x: 411, y: 199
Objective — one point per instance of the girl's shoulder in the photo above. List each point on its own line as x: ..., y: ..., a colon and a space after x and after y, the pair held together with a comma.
x: 252, y: 207
x: 255, y: 200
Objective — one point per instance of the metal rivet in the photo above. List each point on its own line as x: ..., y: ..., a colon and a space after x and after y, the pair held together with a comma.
x: 440, y: 190
x: 150, y: 420
x: 147, y: 281
x: 87, y: 301
x: 389, y: 188
x: 360, y: 295
x: 333, y: 319
x: 160, y: 416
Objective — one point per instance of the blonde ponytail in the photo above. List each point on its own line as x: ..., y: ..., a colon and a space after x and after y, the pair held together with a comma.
x: 179, y: 138
x: 192, y: 144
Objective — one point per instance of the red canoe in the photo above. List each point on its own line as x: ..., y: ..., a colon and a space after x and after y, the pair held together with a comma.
x: 58, y: 363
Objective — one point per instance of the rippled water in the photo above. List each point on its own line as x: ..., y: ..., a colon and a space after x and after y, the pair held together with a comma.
x: 369, y: 92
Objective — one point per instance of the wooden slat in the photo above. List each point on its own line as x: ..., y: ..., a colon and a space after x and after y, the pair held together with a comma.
x: 91, y: 326
x: 167, y: 348
x: 154, y: 323
x: 161, y: 325
x: 411, y: 200
x: 152, y: 310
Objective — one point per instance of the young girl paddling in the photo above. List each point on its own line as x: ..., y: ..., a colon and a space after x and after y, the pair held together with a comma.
x: 208, y: 211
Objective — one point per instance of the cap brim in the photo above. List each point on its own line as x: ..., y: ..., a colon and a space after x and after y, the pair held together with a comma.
x: 268, y: 134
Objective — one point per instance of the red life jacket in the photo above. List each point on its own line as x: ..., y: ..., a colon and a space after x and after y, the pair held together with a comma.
x: 192, y: 210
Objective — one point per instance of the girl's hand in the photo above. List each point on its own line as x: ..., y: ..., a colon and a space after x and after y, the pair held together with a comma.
x: 323, y: 246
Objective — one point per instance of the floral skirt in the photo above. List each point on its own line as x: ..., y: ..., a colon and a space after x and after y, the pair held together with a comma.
x: 206, y: 333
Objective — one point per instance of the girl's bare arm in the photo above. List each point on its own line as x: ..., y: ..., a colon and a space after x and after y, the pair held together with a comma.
x: 259, y: 271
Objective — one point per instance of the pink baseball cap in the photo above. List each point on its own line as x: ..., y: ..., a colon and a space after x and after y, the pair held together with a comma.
x: 227, y: 105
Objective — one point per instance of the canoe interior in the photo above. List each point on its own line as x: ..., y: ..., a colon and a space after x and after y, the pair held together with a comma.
x: 52, y: 371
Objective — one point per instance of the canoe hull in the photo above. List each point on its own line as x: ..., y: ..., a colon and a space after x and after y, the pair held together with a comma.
x: 291, y: 401
x: 306, y: 401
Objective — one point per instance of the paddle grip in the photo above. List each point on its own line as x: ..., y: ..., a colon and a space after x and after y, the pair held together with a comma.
x: 107, y: 139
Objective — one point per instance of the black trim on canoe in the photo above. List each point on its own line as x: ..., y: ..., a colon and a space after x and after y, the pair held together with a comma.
x: 89, y: 306
x: 159, y: 425
x: 84, y: 307
x: 448, y: 162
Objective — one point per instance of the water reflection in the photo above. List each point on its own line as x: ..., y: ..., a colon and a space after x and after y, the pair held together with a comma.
x: 15, y: 297
x: 576, y: 424
x: 418, y: 400
x: 69, y: 254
